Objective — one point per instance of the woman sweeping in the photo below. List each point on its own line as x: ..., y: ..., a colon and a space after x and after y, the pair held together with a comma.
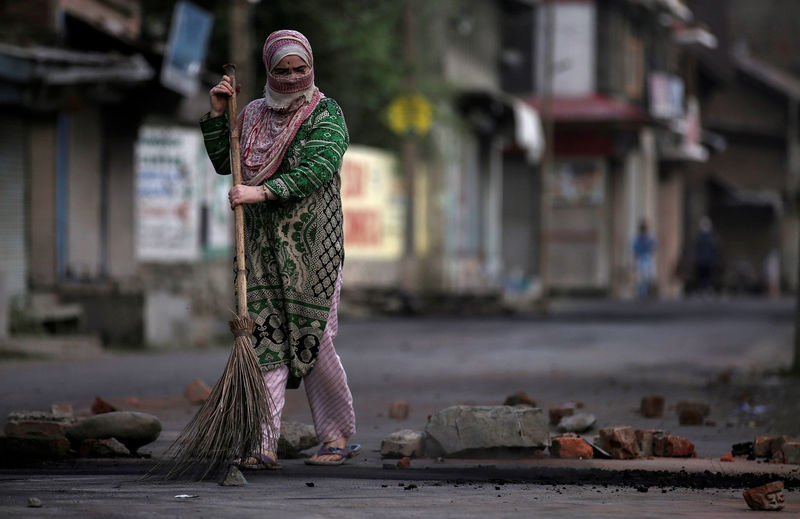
x: 292, y: 141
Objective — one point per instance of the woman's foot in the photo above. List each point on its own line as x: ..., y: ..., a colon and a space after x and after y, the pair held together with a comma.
x: 259, y: 461
x: 334, y: 453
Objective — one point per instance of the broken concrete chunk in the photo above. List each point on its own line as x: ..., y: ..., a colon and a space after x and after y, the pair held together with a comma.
x: 34, y: 502
x: 62, y: 410
x: 468, y: 430
x: 671, y: 446
x: 577, y: 423
x: 571, y: 446
x: 791, y: 453
x: 620, y: 442
x: 763, y: 446
x: 398, y: 410
x: 652, y: 406
x: 196, y: 392
x: 295, y: 437
x: 520, y: 398
x: 401, y: 444
x: 692, y: 412
x: 645, y: 439
x: 233, y: 478
x: 131, y: 428
x: 108, y: 448
x: 778, y: 448
x: 766, y: 497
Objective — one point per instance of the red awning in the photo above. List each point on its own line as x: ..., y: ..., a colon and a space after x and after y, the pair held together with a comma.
x: 594, y: 109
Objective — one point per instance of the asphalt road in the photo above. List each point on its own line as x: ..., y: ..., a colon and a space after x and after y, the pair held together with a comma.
x: 606, y: 355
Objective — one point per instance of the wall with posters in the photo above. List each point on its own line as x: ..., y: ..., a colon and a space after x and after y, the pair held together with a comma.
x: 372, y: 202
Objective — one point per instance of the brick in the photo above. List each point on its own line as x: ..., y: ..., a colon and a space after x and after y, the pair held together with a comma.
x: 644, y: 437
x: 671, y: 446
x: 652, y: 406
x: 620, y: 442
x: 399, y: 410
x: 404, y: 463
x: 85, y: 450
x: 557, y: 413
x: 37, y: 429
x: 766, y: 497
x: 196, y: 391
x: 520, y: 398
x: 763, y: 446
x: 727, y: 457
x: 62, y: 410
x: 692, y: 412
x: 100, y: 406
x: 778, y: 450
x: 570, y: 446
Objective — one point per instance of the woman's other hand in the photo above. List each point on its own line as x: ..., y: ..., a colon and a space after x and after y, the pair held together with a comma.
x: 242, y: 194
x: 219, y: 96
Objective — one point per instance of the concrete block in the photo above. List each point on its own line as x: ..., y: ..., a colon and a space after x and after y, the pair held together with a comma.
x: 471, y: 430
x: 405, y: 443
x: 295, y: 437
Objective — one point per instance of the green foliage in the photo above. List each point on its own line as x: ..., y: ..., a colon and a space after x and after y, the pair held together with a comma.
x: 357, y: 50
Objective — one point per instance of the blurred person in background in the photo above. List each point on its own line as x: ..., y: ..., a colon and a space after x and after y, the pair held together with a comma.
x: 644, y: 247
x: 292, y: 141
x: 706, y: 256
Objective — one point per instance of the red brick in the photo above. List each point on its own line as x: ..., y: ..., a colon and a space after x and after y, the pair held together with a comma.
x: 778, y: 448
x: 404, y: 463
x: 557, y: 413
x: 766, y: 497
x: 398, y: 410
x: 570, y: 446
x: 100, y: 406
x: 85, y: 449
x: 692, y: 412
x: 36, y: 429
x: 671, y: 446
x: 196, y: 391
x: 727, y: 457
x: 620, y: 442
x: 652, y: 406
x: 36, y: 448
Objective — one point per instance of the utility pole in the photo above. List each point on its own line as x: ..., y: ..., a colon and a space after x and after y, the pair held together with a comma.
x: 546, y: 89
x: 410, y: 139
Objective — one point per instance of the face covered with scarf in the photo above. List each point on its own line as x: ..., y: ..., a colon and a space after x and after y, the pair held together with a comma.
x: 268, y: 125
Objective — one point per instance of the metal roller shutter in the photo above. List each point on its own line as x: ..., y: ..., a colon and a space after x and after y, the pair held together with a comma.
x: 13, y: 253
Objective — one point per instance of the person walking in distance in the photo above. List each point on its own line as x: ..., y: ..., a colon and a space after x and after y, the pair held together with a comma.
x: 292, y: 142
x: 644, y: 246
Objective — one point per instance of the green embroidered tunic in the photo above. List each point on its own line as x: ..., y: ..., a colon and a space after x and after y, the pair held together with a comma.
x: 293, y: 246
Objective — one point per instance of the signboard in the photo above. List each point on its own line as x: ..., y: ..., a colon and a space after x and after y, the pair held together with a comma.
x: 186, y: 48
x: 372, y: 202
x: 410, y: 114
x: 174, y: 183
x: 666, y: 95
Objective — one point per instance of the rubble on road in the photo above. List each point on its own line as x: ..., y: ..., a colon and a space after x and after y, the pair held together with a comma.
x: 296, y: 437
x: 35, y: 435
x: 100, y: 406
x: 233, y: 478
x: 670, y: 446
x: 556, y: 414
x: 572, y: 446
x: 404, y: 443
x: 645, y: 439
x: 692, y: 412
x: 778, y: 449
x: 479, y: 430
x: 578, y: 423
x: 766, y: 497
x: 620, y: 442
x: 520, y: 398
x: 404, y: 463
x: 196, y: 392
x: 652, y: 406
x: 132, y: 428
x: 62, y: 410
x: 398, y: 410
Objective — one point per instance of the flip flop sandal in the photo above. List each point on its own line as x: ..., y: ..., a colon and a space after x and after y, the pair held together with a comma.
x: 344, y: 454
x: 263, y: 462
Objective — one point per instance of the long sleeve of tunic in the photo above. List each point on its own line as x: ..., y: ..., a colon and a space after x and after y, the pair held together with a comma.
x: 312, y: 159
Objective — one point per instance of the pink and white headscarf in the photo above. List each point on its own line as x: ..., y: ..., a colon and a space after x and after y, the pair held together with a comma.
x: 267, y: 126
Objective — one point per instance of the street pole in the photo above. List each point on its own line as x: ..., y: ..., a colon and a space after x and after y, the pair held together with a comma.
x: 410, y: 140
x: 547, y: 159
x: 793, y: 145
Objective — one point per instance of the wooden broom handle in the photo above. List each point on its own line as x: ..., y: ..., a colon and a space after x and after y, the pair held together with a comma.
x: 236, y: 169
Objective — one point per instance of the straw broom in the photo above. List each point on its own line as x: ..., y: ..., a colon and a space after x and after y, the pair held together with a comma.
x: 233, y: 420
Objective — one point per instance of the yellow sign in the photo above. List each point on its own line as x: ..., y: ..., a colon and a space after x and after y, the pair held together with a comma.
x: 410, y: 114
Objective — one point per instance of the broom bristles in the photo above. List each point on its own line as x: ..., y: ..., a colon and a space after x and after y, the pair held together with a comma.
x: 233, y: 422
